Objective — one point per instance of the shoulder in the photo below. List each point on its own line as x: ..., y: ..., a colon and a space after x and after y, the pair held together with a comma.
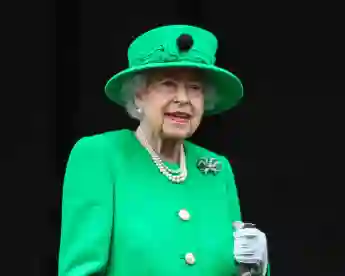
x: 93, y: 153
x: 98, y: 148
x: 101, y: 142
x: 203, y: 152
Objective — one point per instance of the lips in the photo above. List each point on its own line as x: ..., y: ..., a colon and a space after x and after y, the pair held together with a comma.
x: 178, y: 117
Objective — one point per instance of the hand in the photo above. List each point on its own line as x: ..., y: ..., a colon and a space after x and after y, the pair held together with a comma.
x: 250, y: 246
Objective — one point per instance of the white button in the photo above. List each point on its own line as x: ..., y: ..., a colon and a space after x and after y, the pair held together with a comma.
x: 189, y: 258
x: 184, y: 214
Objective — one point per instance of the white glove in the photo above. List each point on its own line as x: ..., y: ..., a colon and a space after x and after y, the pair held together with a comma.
x: 250, y: 246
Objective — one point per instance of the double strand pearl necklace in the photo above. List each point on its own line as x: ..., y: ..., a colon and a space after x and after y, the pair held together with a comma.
x: 175, y: 176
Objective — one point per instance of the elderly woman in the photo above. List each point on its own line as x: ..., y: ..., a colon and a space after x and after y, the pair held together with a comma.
x: 149, y: 202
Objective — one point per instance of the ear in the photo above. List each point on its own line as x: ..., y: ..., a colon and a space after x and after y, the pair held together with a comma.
x: 139, y: 98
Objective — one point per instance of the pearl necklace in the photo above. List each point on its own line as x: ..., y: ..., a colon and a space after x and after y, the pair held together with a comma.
x: 175, y: 176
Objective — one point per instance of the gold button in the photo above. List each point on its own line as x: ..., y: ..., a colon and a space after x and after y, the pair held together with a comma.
x: 189, y: 258
x: 184, y: 214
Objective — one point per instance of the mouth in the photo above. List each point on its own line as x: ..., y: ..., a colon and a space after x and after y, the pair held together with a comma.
x: 178, y: 117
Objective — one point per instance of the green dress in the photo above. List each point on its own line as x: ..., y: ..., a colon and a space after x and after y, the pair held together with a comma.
x: 121, y: 216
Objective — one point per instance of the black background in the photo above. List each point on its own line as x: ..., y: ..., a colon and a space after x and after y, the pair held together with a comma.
x: 285, y: 140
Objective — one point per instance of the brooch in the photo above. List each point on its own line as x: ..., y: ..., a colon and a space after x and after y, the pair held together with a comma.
x: 209, y: 165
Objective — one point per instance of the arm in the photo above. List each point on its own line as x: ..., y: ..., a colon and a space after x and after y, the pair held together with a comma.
x: 87, y: 210
x: 234, y: 203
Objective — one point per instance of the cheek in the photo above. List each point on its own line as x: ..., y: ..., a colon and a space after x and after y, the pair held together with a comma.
x: 155, y: 108
x: 198, y: 106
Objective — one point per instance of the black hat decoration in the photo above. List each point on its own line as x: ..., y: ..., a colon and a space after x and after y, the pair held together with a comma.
x: 184, y: 42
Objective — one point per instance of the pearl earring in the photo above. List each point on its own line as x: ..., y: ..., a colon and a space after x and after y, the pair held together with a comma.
x: 139, y: 110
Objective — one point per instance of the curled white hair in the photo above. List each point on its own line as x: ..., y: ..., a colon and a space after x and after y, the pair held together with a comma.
x: 139, y: 81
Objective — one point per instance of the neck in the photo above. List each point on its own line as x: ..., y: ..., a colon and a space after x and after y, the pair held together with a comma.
x: 168, y: 149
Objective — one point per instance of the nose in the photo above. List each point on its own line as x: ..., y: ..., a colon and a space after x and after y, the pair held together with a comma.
x: 182, y: 95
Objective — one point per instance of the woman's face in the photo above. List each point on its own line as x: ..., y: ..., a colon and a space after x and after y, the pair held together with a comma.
x: 173, y: 102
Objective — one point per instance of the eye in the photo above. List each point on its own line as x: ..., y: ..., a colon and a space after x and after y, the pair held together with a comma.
x: 195, y: 86
x: 169, y: 83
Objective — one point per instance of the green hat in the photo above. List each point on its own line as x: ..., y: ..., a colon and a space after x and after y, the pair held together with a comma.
x: 173, y: 47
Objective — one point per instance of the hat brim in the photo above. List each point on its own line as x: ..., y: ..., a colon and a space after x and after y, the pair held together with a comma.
x: 228, y: 87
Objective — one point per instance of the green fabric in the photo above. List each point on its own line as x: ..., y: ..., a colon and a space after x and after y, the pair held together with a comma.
x: 158, y: 49
x: 120, y: 215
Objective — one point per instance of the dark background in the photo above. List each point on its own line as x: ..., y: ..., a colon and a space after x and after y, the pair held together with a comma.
x: 285, y: 141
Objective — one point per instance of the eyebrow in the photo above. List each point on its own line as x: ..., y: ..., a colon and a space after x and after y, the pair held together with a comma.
x: 196, y: 79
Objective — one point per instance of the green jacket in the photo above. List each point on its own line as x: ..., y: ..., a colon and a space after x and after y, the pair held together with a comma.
x: 120, y: 216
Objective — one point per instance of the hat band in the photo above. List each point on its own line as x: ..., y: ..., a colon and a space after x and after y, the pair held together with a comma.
x: 163, y: 54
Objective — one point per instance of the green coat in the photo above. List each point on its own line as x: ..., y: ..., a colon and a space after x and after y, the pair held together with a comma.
x: 120, y: 216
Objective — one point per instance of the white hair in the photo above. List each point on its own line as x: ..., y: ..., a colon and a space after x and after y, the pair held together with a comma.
x: 140, y: 81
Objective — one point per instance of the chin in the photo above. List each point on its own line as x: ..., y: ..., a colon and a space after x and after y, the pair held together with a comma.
x: 176, y: 133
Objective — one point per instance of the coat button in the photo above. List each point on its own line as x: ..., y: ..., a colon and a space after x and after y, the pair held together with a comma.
x: 184, y: 214
x: 189, y: 258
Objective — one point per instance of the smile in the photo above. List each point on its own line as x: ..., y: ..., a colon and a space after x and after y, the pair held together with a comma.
x: 178, y: 117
